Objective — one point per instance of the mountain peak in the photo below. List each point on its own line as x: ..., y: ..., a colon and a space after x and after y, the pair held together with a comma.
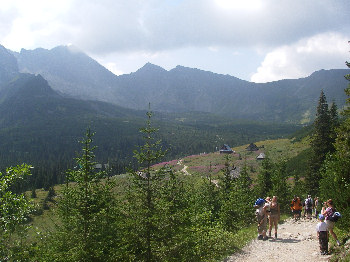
x: 149, y: 68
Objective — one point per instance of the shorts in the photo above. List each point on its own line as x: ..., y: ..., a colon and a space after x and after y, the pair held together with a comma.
x: 296, y: 212
x: 274, y: 217
x: 309, y: 211
x: 330, y: 224
x: 263, y: 226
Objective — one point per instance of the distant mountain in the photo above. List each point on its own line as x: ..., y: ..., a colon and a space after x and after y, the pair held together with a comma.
x: 69, y: 71
x: 42, y: 127
x: 8, y: 66
x: 184, y: 89
x: 36, y: 119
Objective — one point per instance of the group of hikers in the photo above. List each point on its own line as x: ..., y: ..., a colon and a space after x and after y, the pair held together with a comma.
x: 308, y: 207
x: 268, y: 211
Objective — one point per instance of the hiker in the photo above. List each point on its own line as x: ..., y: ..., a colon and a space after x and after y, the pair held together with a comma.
x: 308, y: 207
x: 261, y: 216
x: 274, y: 215
x: 296, y: 207
x: 328, y: 210
x: 322, y: 235
x: 317, y: 206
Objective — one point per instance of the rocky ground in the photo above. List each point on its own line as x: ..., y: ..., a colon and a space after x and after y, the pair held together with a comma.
x: 296, y: 241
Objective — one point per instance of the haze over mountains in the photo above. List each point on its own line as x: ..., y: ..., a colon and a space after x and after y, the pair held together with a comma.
x: 182, y: 89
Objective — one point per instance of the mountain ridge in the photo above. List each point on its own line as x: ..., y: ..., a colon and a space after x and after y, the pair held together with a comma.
x: 184, y: 89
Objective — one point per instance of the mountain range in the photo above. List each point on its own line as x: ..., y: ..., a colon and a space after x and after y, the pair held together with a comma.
x: 49, y: 97
x: 73, y: 73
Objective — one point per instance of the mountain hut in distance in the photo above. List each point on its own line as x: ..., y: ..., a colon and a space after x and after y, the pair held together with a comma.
x: 225, y: 149
x: 252, y: 147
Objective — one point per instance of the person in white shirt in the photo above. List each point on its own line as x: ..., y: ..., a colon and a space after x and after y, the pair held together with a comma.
x: 322, y: 235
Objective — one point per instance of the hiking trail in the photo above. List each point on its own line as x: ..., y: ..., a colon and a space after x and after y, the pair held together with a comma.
x: 296, y: 242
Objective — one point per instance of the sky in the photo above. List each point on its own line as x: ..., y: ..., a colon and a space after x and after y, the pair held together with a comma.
x: 254, y: 40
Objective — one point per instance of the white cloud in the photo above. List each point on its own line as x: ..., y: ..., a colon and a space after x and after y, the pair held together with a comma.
x: 111, y: 29
x: 322, y: 51
x: 33, y: 22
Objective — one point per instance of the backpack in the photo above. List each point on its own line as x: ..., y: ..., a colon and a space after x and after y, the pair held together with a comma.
x: 308, y: 203
x: 334, y: 217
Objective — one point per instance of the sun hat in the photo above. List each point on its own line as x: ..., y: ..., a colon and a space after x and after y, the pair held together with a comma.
x: 259, y: 202
x: 321, y: 217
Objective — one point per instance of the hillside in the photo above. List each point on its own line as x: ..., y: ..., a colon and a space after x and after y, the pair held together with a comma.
x: 182, y: 89
x: 42, y: 127
x: 212, y: 163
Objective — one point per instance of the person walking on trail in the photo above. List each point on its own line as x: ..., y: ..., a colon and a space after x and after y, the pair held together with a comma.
x: 296, y: 207
x: 322, y: 235
x: 274, y: 215
x: 308, y: 207
x: 261, y: 215
x: 328, y: 210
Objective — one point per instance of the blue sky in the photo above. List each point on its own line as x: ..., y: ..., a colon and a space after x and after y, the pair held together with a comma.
x: 255, y: 40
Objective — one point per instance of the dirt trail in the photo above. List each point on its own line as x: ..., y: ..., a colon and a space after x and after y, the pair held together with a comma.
x: 296, y: 241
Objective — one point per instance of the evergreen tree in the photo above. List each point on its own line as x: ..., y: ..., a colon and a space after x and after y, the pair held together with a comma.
x: 173, y: 219
x: 86, y: 208
x: 50, y: 194
x: 321, y: 144
x: 236, y: 211
x: 264, y: 180
x: 140, y: 208
x: 33, y: 194
x: 299, y: 186
x: 280, y: 188
x: 335, y: 182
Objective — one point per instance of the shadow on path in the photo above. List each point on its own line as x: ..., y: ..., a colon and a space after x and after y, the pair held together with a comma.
x: 285, y: 240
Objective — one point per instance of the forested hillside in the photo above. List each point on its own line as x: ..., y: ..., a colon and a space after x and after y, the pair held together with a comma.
x: 41, y: 127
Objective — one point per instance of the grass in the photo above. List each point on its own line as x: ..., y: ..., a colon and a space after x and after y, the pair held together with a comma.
x: 213, y: 163
x: 341, y: 253
x: 198, y: 166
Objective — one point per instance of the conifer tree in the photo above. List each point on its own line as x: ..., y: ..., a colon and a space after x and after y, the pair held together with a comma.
x: 335, y: 182
x: 140, y: 205
x: 236, y: 210
x: 280, y: 187
x: 86, y: 211
x: 320, y: 145
x: 264, y: 182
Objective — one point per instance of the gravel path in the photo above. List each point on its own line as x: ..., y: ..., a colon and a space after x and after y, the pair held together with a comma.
x: 296, y: 241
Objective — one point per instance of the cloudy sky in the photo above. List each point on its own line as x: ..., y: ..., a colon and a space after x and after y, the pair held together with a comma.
x: 255, y: 40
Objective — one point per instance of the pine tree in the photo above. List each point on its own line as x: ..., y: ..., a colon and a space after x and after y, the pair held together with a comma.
x: 321, y: 144
x: 86, y: 210
x: 236, y: 210
x: 334, y: 121
x: 280, y: 188
x: 140, y: 205
x: 264, y: 183
x: 335, y: 182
